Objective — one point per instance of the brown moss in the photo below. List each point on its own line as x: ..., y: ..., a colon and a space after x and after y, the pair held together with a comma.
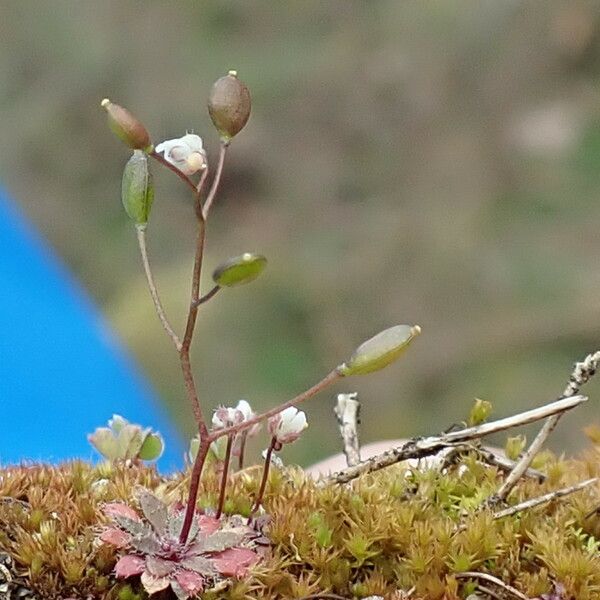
x: 389, y: 530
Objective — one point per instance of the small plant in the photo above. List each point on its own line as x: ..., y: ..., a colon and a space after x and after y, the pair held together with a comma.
x: 123, y: 440
x: 213, y: 551
x: 439, y: 517
x: 229, y: 106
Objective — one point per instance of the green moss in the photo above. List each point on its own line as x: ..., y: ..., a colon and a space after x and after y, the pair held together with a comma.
x: 392, y: 529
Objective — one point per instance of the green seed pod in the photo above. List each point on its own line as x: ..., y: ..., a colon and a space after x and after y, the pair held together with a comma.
x: 380, y: 350
x: 239, y: 269
x: 137, y: 189
x: 152, y: 447
x: 229, y: 105
x: 126, y: 127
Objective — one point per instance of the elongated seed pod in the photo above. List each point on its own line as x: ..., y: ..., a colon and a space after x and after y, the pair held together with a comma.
x: 137, y: 188
x: 126, y: 127
x: 379, y: 351
x: 239, y: 269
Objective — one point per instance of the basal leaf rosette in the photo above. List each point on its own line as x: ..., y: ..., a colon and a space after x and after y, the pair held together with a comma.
x: 215, y: 551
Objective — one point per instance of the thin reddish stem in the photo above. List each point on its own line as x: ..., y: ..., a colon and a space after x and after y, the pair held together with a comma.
x: 209, y: 295
x: 309, y: 393
x: 224, y: 477
x: 190, y: 508
x: 160, y: 311
x: 215, y: 184
x: 265, y: 477
x: 243, y: 438
x: 184, y: 353
x: 163, y: 161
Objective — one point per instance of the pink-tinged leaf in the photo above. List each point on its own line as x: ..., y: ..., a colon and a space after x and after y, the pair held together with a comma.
x: 130, y: 565
x: 118, y: 509
x: 234, y: 562
x: 191, y: 582
x: 115, y: 537
x: 208, y: 524
x: 159, y: 567
x: 154, y: 584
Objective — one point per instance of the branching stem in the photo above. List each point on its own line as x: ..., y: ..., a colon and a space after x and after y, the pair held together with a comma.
x: 208, y: 295
x: 330, y: 378
x: 163, y: 161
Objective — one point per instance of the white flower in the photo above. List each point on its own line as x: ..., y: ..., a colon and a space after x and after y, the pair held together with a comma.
x: 247, y: 413
x: 226, y: 416
x: 244, y: 407
x: 186, y: 153
x: 287, y: 425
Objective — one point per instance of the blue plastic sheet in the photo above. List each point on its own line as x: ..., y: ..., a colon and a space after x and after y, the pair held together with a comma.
x: 62, y: 372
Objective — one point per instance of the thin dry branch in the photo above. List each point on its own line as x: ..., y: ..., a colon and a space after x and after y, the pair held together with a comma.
x: 491, y: 579
x: 581, y: 374
x: 421, y: 447
x: 347, y: 410
x: 490, y: 457
x: 527, y: 504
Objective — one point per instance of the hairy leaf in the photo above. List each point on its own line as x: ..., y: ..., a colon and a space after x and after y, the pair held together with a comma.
x: 154, y: 510
x: 235, y: 562
x: 129, y: 565
x: 154, y: 584
x: 220, y: 540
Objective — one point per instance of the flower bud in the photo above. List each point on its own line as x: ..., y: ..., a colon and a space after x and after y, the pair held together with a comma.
x: 287, y: 425
x: 380, y: 350
x: 229, y: 105
x: 239, y: 269
x: 137, y: 189
x: 126, y: 127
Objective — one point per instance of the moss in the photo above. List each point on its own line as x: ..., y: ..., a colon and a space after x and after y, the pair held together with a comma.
x: 388, y: 530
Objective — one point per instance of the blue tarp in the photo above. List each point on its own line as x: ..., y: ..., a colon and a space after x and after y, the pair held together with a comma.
x: 62, y: 372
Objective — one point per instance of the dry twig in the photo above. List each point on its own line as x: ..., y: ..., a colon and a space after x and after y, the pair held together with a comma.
x: 527, y: 504
x: 581, y: 374
x: 347, y: 411
x: 421, y: 447
x: 491, y: 579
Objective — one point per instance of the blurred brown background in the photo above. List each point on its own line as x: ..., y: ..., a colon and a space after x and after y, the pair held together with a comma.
x: 426, y: 162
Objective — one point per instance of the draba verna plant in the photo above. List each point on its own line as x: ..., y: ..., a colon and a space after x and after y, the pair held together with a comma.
x: 437, y: 517
x: 229, y: 107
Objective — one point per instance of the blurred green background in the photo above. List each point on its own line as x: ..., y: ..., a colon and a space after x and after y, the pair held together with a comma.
x: 406, y: 162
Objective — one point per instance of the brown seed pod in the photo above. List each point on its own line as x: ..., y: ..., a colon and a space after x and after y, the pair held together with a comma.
x: 126, y: 127
x: 229, y: 105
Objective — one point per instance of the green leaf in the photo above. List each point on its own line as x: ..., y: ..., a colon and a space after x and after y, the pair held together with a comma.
x: 239, y: 269
x: 379, y: 351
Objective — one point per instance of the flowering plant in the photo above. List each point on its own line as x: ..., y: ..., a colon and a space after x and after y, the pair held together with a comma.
x: 174, y: 546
